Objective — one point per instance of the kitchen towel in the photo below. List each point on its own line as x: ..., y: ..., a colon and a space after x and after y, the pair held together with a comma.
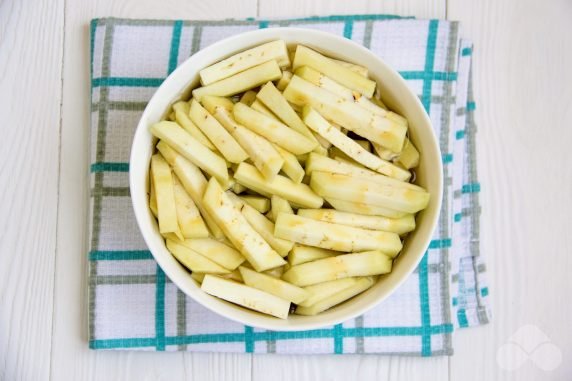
x: 133, y: 305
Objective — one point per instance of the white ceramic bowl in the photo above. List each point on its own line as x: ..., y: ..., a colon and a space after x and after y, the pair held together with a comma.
x: 395, y: 94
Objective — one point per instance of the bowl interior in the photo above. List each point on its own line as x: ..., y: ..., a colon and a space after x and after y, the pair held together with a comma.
x: 395, y: 94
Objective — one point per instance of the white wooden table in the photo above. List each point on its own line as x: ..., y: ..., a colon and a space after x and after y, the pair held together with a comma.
x: 523, y: 63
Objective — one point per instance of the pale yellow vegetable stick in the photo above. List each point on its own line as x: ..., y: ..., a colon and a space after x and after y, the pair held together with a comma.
x: 238, y: 230
x: 248, y: 97
x: 284, y: 80
x: 261, y: 151
x: 334, y: 236
x: 325, y: 164
x: 360, y: 286
x: 291, y: 53
x: 395, y: 225
x: 378, y: 102
x: 188, y: 215
x: 409, y: 156
x: 291, y: 166
x: 198, y: 277
x: 246, y: 296
x: 218, y: 252
x: 318, y: 79
x: 152, y: 195
x: 249, y: 266
x: 326, y: 83
x: 243, y: 81
x: 277, y: 104
x: 302, y: 254
x: 346, y: 113
x: 337, y: 154
x: 348, y: 146
x: 261, y: 108
x: 277, y: 107
x: 275, y: 272
x: 230, y: 183
x: 265, y: 228
x: 274, y: 131
x: 192, y: 149
x: 261, y: 204
x: 365, y: 144
x: 275, y: 50
x: 237, y: 201
x: 295, y: 107
x: 338, y: 267
x: 308, y: 57
x: 172, y: 237
x: 361, y: 70
x: 321, y: 291
x: 182, y: 117
x: 273, y: 286
x: 261, y: 224
x: 217, y: 134
x: 238, y: 188
x: 366, y: 209
x: 193, y: 260
x: 323, y: 142
x: 211, y: 102
x: 342, y: 157
x: 300, y: 194
x: 343, y: 187
x: 387, y: 154
x: 192, y: 180
x: 278, y: 205
x: 233, y: 275
x: 302, y: 158
x: 369, y: 105
x: 166, y: 206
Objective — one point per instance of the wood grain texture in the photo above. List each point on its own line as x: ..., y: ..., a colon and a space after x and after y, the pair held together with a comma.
x: 349, y: 367
x: 30, y: 38
x: 71, y: 359
x: 303, y: 8
x: 523, y: 56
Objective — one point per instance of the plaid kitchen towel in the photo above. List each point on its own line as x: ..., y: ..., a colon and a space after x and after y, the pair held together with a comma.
x: 468, y: 268
x: 133, y: 305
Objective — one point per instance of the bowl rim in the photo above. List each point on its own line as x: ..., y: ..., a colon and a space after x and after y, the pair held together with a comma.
x: 200, y: 296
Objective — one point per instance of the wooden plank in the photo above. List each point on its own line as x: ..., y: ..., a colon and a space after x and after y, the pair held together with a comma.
x: 301, y: 8
x: 326, y: 367
x: 524, y: 112
x: 31, y: 41
x: 349, y: 367
x: 71, y: 358
x: 122, y: 365
x: 421, y: 369
x: 220, y: 366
